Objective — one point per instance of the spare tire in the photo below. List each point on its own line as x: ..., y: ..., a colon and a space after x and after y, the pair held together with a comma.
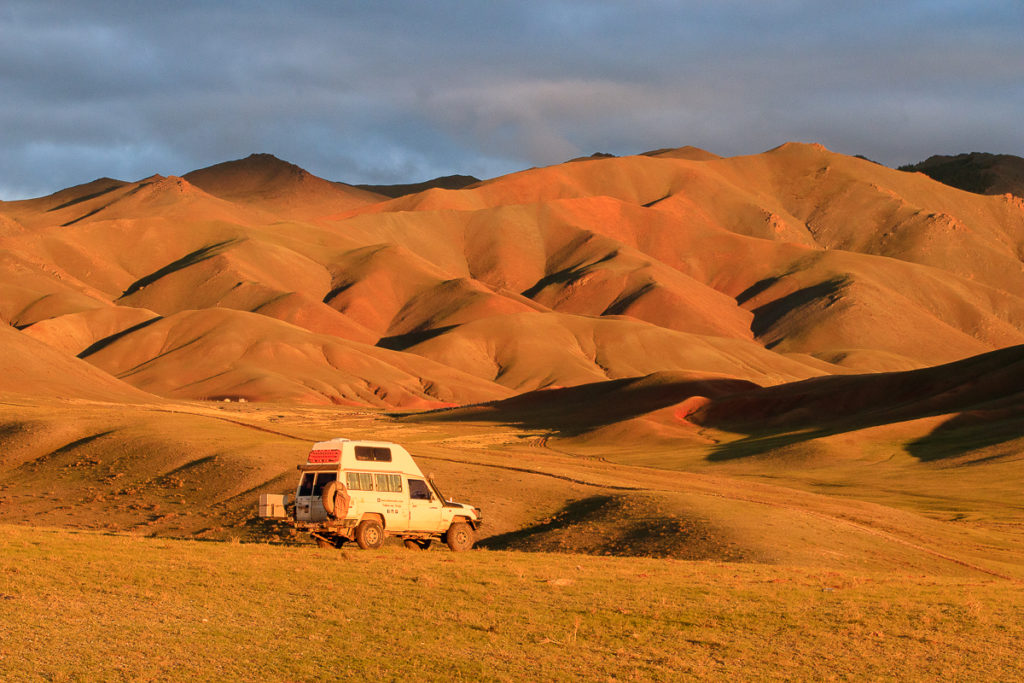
x: 328, y: 494
x: 336, y: 500
x: 342, y: 501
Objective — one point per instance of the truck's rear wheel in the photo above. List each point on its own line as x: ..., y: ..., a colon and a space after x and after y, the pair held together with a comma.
x: 370, y: 534
x: 459, y: 537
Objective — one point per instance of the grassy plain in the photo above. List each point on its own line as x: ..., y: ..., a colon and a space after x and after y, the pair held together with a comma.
x: 126, y: 554
x: 194, y: 470
x: 77, y: 605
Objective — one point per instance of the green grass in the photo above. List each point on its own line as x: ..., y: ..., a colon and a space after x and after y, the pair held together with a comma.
x: 77, y: 605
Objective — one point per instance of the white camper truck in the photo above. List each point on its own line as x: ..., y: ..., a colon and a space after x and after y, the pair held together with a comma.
x: 363, y: 491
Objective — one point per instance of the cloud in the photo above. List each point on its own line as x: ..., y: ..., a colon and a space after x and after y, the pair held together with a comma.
x: 403, y: 91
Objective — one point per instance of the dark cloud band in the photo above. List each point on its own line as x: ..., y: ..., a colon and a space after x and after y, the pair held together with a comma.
x: 402, y: 91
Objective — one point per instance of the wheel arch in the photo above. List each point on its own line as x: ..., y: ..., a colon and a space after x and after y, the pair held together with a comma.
x: 462, y: 518
x: 374, y: 515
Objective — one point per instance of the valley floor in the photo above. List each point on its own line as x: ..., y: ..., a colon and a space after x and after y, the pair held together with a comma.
x: 130, y: 549
x: 102, y: 606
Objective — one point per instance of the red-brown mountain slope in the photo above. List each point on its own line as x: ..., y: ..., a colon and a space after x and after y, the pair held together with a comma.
x: 768, y: 268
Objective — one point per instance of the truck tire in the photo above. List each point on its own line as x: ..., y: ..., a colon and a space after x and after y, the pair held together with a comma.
x: 370, y: 534
x: 459, y: 537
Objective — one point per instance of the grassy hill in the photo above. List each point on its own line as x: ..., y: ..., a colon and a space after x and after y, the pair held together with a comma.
x: 194, y: 470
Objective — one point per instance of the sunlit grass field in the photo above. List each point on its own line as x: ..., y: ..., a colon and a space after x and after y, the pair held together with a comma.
x: 92, y: 606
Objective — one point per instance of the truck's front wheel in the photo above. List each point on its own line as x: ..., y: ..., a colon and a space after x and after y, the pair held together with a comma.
x: 370, y: 534
x: 459, y: 537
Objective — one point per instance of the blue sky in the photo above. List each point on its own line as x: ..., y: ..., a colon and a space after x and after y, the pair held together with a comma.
x: 385, y: 92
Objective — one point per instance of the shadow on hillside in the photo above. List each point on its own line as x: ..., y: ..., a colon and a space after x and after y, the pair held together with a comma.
x: 984, y: 392
x: 760, y: 444
x: 85, y: 198
x: 566, y: 276
x: 770, y: 313
x: 633, y: 525
x: 107, y: 341
x: 571, y: 411
x: 401, y: 342
x: 957, y: 436
x: 190, y: 259
x: 572, y: 514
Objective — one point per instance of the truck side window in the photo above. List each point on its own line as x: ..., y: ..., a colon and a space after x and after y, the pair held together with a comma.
x: 373, y: 453
x: 392, y: 483
x: 359, y: 481
x: 322, y: 480
x: 306, y: 487
x: 418, y: 490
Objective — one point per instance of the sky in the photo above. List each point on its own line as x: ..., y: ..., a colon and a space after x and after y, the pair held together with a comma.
x: 392, y: 92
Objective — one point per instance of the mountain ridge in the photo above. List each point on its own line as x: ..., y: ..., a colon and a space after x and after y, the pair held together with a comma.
x: 978, y: 172
x: 601, y: 268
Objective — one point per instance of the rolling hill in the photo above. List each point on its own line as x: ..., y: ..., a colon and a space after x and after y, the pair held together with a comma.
x: 804, y: 338
x: 808, y: 261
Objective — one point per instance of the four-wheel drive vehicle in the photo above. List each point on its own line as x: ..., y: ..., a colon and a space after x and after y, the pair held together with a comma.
x: 363, y: 491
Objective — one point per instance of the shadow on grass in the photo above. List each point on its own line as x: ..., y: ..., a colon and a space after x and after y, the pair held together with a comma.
x: 63, y: 450
x: 571, y: 515
x: 624, y: 526
x: 759, y: 444
x: 969, y: 431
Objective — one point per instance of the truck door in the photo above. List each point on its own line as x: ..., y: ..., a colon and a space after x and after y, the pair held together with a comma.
x: 424, y: 508
x: 303, y: 496
x: 317, y: 511
x: 309, y: 505
x: 393, y: 500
